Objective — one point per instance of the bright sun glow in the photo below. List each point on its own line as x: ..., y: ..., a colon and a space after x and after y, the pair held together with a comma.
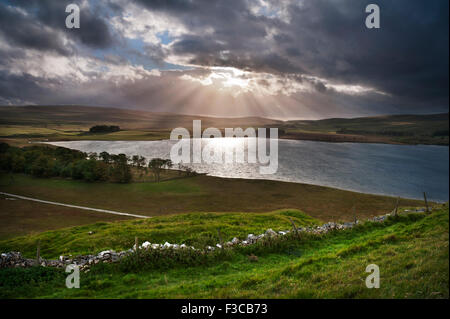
x: 225, y: 78
x: 230, y: 77
x: 237, y: 81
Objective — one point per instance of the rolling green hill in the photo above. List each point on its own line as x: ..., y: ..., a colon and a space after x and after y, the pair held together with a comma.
x: 410, y: 250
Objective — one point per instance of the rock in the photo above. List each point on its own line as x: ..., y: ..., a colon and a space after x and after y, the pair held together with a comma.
x: 105, y: 252
x: 167, y: 245
x: 270, y: 233
x: 146, y: 244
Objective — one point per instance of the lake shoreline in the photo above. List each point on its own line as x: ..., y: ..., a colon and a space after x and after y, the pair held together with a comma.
x: 384, y: 167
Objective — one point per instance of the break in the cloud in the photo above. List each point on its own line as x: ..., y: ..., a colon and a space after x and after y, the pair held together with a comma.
x: 281, y: 59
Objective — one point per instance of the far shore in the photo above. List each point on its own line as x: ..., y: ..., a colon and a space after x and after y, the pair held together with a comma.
x: 159, y: 136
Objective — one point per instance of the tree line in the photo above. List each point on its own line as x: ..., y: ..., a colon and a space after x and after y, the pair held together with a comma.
x: 104, y: 129
x: 44, y: 161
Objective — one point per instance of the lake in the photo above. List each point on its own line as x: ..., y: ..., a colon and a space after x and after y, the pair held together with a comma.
x: 396, y: 170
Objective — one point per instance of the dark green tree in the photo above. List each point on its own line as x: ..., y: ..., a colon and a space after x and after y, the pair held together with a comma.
x: 157, y: 164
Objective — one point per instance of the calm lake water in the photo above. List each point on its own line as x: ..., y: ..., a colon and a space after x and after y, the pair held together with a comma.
x: 397, y: 170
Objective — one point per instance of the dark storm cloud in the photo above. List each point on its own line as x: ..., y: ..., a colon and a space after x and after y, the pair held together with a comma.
x: 24, y: 32
x: 314, y: 41
x: 21, y: 89
x: 407, y: 57
x: 94, y: 32
x: 233, y: 28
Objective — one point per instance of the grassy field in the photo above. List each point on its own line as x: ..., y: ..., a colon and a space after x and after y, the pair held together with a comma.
x: 20, y: 217
x: 193, y: 194
x: 65, y: 123
x: 20, y: 135
x: 18, y: 125
x: 411, y: 251
x: 400, y: 129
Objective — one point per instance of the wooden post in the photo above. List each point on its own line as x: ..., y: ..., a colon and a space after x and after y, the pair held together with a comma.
x: 293, y: 226
x: 354, y: 214
x: 38, y: 253
x: 136, y: 244
x: 220, y: 237
x: 426, y: 202
x: 396, y: 206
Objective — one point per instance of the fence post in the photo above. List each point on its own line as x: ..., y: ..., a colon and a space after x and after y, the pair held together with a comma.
x: 426, y: 201
x: 220, y: 237
x: 136, y: 245
x: 396, y: 206
x: 293, y: 226
x: 38, y: 253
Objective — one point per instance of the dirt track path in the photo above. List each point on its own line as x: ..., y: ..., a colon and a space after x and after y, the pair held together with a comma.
x: 73, y: 206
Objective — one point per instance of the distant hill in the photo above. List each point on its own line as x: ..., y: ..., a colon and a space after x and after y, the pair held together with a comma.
x: 69, y: 121
x: 126, y: 119
x: 409, y: 129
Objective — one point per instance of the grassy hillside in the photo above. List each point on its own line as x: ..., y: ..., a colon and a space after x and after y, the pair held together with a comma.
x: 411, y: 252
x: 84, y: 116
x: 22, y: 123
x: 69, y: 122
x: 408, y: 129
x: 196, y: 229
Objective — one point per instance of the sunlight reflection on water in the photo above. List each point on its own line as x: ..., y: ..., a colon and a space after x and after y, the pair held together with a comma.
x: 398, y: 170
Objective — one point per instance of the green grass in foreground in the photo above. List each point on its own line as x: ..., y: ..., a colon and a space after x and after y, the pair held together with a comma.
x: 411, y: 251
x: 197, y: 229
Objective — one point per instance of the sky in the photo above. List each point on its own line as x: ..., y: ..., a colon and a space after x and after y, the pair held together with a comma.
x: 286, y: 59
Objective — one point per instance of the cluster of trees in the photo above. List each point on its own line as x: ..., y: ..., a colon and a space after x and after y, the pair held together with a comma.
x: 104, y: 129
x: 51, y: 162
x: 157, y: 164
x: 440, y: 133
